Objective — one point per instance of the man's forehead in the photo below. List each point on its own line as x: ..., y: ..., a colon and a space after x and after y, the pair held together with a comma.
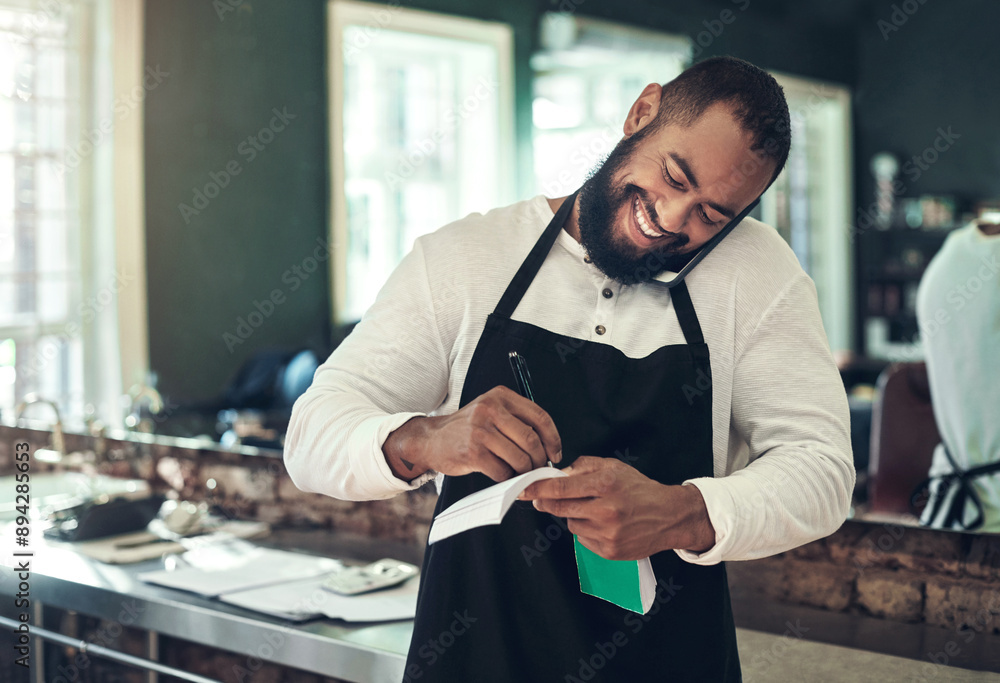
x: 725, y: 168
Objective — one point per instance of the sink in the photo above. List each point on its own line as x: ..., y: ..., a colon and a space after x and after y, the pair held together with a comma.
x: 59, y: 489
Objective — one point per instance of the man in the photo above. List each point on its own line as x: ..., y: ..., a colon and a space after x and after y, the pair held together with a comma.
x: 958, y: 308
x: 690, y: 437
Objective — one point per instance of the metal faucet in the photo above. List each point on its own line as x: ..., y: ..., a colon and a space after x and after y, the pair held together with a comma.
x: 58, y: 445
x: 136, y: 394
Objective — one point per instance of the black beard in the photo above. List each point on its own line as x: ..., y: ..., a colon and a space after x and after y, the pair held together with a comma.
x: 600, y: 201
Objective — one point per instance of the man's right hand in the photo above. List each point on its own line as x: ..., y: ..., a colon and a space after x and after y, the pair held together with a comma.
x: 500, y: 434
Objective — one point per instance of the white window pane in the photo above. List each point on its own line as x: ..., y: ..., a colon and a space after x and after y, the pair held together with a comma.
x: 50, y: 77
x: 6, y: 184
x: 51, y: 135
x: 7, y: 304
x: 51, y: 186
x: 53, y: 256
x: 6, y: 242
x: 24, y: 122
x: 422, y: 145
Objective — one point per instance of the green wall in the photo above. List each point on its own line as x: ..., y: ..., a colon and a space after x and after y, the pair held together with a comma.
x: 205, y: 271
x: 228, y: 72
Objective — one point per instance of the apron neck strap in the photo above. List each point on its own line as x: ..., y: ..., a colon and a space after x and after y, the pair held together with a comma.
x: 529, y: 268
x: 686, y: 315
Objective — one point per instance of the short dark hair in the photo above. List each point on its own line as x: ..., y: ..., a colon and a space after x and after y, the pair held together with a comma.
x: 757, y: 100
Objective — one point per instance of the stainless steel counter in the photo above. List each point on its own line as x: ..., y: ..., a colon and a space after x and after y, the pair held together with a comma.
x: 63, y: 578
x: 375, y: 652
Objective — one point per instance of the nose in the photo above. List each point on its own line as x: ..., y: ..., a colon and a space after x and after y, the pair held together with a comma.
x: 671, y: 214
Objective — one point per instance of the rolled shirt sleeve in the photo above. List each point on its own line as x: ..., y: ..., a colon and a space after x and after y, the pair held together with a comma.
x: 390, y: 369
x: 790, y: 406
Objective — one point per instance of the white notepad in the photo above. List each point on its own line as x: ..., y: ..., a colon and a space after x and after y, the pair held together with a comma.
x: 299, y: 600
x: 250, y: 569
x: 487, y: 506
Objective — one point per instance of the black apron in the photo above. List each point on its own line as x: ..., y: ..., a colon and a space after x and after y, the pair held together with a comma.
x: 956, y: 488
x: 503, y: 603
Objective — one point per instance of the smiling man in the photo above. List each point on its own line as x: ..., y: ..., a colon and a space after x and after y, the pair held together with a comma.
x: 700, y: 420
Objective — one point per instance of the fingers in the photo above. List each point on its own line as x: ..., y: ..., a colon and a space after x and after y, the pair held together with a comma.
x: 497, y: 446
x: 532, y: 415
x: 590, y: 485
x: 569, y: 508
x: 524, y: 438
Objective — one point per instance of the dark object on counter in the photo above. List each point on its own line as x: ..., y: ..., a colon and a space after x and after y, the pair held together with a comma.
x: 95, y: 519
x: 271, y: 379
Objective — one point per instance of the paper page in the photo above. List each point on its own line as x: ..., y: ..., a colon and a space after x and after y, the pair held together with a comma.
x: 299, y: 600
x: 295, y: 600
x: 487, y: 506
x: 389, y: 604
x: 647, y: 584
x: 259, y: 567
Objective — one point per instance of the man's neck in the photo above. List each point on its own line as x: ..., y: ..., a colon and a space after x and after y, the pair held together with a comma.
x: 989, y: 228
x: 571, y: 226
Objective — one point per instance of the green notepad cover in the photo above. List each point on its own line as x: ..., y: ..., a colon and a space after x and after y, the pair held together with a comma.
x: 616, y: 581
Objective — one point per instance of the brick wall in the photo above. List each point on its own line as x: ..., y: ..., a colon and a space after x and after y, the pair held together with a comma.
x: 242, y: 486
x: 898, y: 573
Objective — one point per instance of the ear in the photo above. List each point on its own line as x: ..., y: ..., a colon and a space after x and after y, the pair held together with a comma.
x: 643, y: 110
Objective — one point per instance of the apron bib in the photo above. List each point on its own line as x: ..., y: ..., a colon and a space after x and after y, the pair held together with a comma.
x: 503, y: 603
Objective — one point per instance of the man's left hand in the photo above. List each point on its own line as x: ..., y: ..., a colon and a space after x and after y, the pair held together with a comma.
x: 621, y: 514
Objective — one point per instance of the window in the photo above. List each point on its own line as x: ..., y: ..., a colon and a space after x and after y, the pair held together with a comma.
x: 586, y: 77
x: 422, y: 134
x: 810, y: 202
x: 40, y: 107
x: 67, y: 158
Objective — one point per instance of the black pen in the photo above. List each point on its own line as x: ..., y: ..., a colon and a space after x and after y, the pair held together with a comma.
x: 521, y: 375
x: 522, y: 378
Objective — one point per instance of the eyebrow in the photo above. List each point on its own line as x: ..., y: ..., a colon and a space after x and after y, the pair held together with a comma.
x: 685, y: 167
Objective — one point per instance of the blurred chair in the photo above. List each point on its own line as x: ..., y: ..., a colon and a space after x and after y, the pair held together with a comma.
x: 904, y: 435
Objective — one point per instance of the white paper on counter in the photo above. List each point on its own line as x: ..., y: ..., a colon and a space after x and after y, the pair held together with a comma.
x: 487, y: 506
x: 252, y: 568
x: 306, y: 599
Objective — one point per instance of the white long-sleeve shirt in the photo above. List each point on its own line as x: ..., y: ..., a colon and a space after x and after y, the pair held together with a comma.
x: 958, y: 307
x: 781, y: 449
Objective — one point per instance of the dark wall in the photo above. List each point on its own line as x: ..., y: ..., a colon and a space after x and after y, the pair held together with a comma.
x: 207, y: 270
x: 927, y: 86
x: 940, y: 69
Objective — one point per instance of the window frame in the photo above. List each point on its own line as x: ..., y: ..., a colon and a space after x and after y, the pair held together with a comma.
x: 391, y: 16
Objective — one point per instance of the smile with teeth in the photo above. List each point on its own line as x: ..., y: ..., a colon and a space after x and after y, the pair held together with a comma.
x: 640, y: 219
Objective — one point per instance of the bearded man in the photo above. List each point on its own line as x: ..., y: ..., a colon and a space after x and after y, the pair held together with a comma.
x: 697, y: 410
